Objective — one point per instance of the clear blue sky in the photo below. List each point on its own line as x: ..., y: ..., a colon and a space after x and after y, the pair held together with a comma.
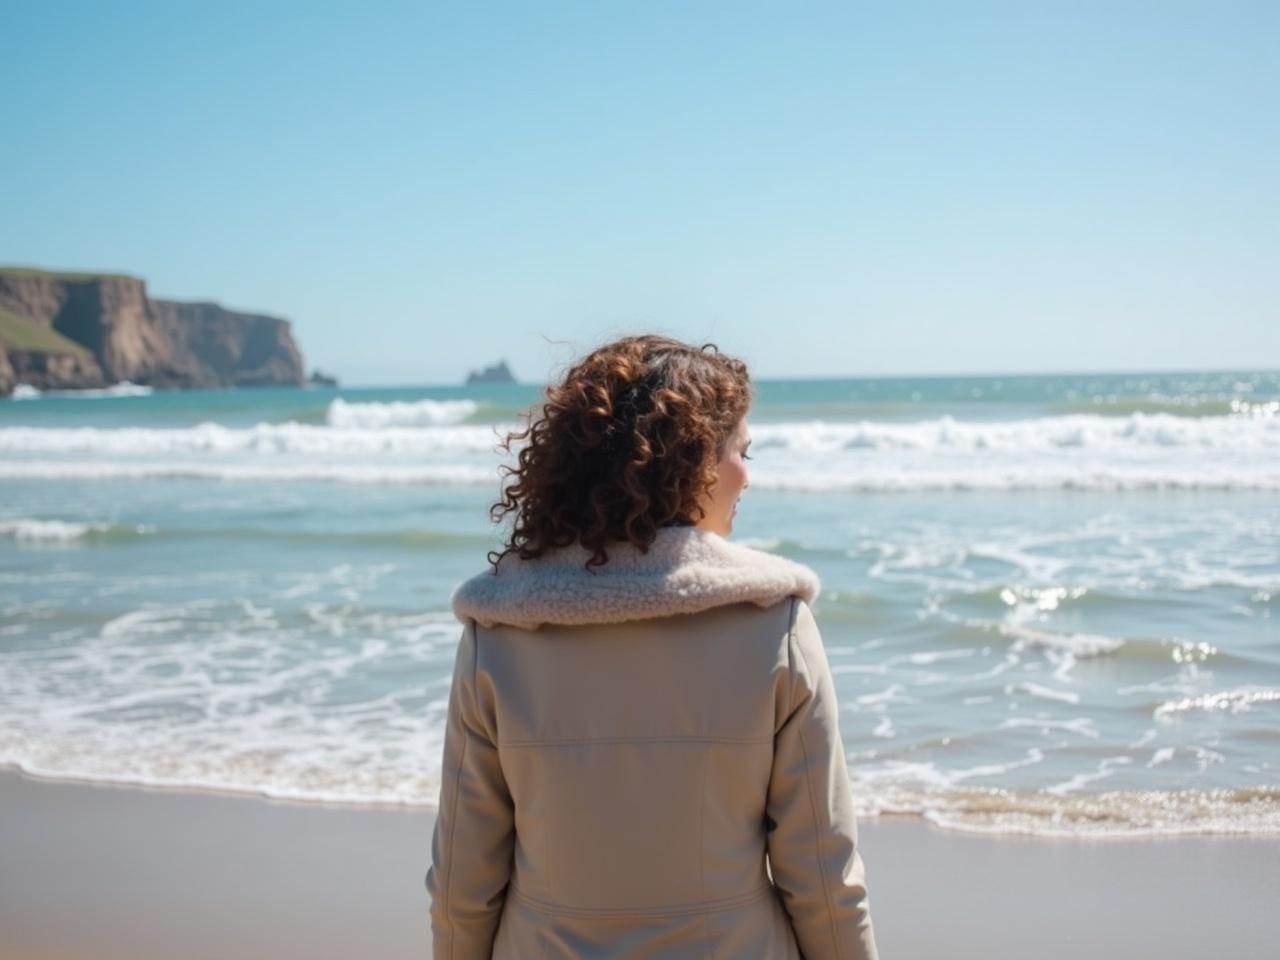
x: 823, y: 189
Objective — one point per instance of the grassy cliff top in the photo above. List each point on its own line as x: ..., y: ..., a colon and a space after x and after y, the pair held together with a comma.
x: 19, y: 333
x: 71, y: 275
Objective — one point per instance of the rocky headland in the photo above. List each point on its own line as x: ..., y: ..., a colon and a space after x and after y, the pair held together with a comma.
x: 66, y: 331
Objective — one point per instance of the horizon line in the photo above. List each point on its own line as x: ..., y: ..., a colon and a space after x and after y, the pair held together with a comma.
x: 838, y: 377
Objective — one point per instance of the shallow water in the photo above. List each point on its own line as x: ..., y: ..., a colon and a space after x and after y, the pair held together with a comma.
x: 1048, y: 602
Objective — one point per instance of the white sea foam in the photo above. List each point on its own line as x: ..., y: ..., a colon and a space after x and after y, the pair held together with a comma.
x: 1115, y: 553
x: 1106, y: 768
x: 1085, y: 726
x: 125, y: 388
x: 1047, y: 693
x: 1074, y: 432
x: 240, y: 698
x: 1118, y: 814
x: 1083, y: 452
x: 1163, y: 755
x: 262, y: 440
x: 393, y: 473
x: 459, y: 474
x: 939, y: 477
x: 959, y: 630
x: 878, y: 700
x: 29, y: 530
x: 1227, y: 701
x: 946, y: 797
x: 1148, y: 735
x: 926, y: 657
x: 244, y: 698
x: 1078, y: 645
x: 398, y: 413
x: 34, y: 530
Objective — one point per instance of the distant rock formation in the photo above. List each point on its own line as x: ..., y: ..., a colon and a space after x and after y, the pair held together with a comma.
x: 62, y: 331
x: 318, y: 379
x: 498, y: 373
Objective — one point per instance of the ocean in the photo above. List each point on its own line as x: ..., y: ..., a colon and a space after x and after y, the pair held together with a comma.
x: 1048, y: 601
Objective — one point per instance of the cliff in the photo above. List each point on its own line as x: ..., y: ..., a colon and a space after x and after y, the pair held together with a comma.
x: 74, y: 330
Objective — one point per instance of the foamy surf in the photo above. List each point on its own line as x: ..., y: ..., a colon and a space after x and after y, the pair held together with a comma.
x: 426, y: 442
x: 284, y: 694
x: 58, y: 531
x: 125, y: 388
x: 398, y: 413
x: 248, y: 591
x: 1116, y: 814
x: 1233, y: 701
x: 33, y: 530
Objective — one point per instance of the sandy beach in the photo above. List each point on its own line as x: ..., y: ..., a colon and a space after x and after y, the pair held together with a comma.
x: 121, y: 872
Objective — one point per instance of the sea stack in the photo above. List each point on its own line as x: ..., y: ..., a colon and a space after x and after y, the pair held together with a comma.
x: 498, y: 373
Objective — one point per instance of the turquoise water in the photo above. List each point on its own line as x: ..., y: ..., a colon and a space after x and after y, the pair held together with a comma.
x: 1048, y: 600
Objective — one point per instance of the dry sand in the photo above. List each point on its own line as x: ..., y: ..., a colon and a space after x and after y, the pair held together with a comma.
x: 103, y: 872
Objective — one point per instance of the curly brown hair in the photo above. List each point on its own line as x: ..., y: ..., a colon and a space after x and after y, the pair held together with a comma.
x: 627, y: 443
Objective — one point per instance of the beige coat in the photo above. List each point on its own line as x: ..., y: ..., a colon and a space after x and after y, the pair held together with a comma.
x: 623, y: 751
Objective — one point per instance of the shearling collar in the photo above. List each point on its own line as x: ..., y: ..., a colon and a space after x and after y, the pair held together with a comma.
x: 685, y: 570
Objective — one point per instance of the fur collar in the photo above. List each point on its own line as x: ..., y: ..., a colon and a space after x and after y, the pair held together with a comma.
x: 685, y: 570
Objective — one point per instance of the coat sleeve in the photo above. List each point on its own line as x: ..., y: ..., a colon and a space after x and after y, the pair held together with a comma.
x: 812, y: 831
x: 474, y: 835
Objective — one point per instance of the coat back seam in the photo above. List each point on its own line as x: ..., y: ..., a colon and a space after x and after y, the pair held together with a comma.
x: 813, y: 807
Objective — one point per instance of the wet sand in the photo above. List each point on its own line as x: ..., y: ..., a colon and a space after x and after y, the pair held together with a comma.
x: 105, y: 872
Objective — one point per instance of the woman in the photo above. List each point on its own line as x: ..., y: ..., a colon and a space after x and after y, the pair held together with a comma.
x: 642, y: 712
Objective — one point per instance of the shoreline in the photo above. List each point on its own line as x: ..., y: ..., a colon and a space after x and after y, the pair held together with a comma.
x: 113, y: 871
x: 923, y: 817
x: 214, y: 791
